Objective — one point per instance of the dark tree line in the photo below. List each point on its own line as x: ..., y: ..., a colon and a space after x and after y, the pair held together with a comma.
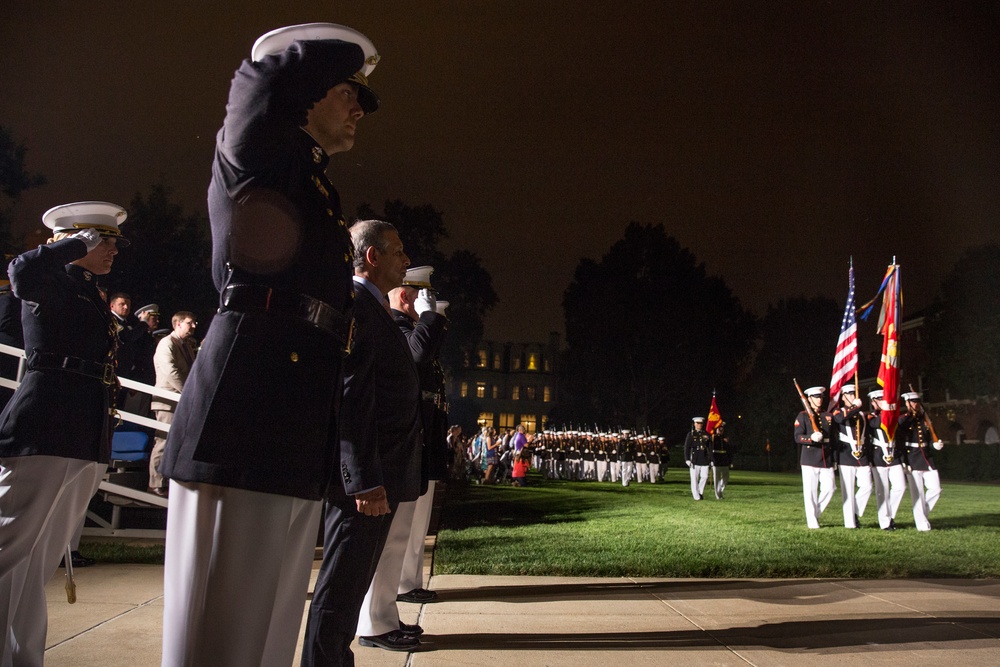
x: 649, y: 335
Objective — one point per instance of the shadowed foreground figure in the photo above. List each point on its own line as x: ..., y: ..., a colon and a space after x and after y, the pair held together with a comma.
x: 251, y: 448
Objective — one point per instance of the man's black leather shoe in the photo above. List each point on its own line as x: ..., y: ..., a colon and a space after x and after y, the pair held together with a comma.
x: 79, y: 560
x: 394, y: 640
x: 410, y: 630
x: 417, y: 595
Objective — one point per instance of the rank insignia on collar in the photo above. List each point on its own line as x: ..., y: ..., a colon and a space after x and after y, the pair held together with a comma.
x: 87, y: 275
x: 317, y: 154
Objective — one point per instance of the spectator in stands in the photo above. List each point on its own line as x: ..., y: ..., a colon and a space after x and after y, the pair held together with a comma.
x: 173, y: 359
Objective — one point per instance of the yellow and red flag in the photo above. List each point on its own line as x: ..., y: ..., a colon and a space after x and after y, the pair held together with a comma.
x: 714, y: 418
x: 888, y: 326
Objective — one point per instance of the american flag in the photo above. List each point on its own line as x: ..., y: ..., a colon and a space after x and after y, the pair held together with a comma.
x: 845, y: 361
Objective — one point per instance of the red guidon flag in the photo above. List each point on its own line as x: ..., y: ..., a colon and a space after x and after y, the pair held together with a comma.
x: 888, y: 326
x: 714, y: 418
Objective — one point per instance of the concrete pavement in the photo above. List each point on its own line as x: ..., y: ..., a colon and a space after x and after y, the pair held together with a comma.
x: 486, y: 620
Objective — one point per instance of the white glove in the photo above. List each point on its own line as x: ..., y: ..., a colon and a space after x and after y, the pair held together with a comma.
x: 441, y: 307
x: 688, y: 463
x: 89, y: 236
x: 424, y: 302
x: 816, y: 436
x: 857, y: 402
x: 938, y: 445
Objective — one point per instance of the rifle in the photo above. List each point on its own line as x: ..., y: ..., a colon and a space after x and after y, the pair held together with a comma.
x: 805, y: 404
x: 927, y: 420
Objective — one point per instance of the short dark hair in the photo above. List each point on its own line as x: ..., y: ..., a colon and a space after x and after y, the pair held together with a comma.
x: 119, y: 295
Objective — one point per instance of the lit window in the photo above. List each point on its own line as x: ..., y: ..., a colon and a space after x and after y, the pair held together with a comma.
x: 486, y: 419
x: 482, y: 359
x: 548, y: 365
x: 496, y: 361
x: 533, y: 361
x: 480, y: 390
x: 529, y: 393
x: 517, y: 362
x: 547, y: 394
x: 529, y: 423
x: 507, y: 420
x: 515, y: 393
x: 496, y: 391
x: 464, y: 391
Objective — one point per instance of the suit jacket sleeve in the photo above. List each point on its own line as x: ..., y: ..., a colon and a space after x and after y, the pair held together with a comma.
x: 361, y: 468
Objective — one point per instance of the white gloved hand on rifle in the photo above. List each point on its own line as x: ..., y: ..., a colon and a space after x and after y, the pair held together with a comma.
x: 816, y: 436
x: 938, y: 445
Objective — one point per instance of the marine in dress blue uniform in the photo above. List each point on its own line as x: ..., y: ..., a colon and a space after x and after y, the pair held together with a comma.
x: 887, y: 457
x: 253, y: 442
x: 816, y: 457
x: 55, y: 431
x: 853, y: 456
x: 915, y: 436
x: 698, y: 456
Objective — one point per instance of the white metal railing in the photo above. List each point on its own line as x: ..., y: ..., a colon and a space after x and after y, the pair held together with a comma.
x: 126, y: 494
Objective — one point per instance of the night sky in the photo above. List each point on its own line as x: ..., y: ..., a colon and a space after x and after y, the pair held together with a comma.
x: 774, y: 139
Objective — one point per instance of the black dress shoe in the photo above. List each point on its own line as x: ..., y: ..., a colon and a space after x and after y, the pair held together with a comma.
x: 394, y: 640
x: 417, y: 595
x: 410, y: 630
x: 79, y: 560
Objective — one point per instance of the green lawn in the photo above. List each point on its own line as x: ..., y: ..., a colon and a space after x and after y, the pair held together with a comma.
x: 603, y: 529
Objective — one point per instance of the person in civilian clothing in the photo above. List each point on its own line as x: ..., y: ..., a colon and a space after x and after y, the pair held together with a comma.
x: 380, y: 456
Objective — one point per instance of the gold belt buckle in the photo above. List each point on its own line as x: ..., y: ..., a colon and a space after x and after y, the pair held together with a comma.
x: 109, y: 375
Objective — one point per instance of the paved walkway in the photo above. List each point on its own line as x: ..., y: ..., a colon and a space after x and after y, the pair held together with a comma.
x: 527, y: 621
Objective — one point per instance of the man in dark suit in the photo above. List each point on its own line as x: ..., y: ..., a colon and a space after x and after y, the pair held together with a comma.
x: 380, y: 451
x: 251, y: 449
x: 54, y: 432
x: 420, y: 316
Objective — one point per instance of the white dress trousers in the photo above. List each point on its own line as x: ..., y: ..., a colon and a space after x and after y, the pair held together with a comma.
x: 236, y: 575
x: 855, y: 490
x: 925, y: 489
x: 699, y: 478
x: 815, y: 502
x: 720, y: 474
x: 412, y: 576
x: 379, y: 613
x: 890, y: 484
x: 43, y: 500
